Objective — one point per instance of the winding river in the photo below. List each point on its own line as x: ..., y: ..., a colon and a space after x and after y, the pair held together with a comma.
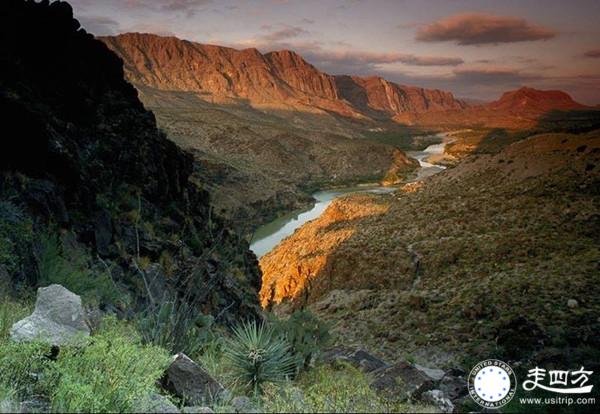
x: 268, y: 236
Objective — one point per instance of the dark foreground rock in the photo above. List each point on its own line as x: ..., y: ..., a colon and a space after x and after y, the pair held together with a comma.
x: 58, y: 318
x: 85, y: 161
x: 188, y: 381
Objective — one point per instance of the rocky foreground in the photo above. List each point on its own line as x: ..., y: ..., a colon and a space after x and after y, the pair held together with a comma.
x: 497, y: 256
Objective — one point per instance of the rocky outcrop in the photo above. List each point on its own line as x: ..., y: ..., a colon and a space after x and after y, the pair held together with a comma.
x: 58, y: 318
x: 380, y: 98
x: 188, y: 381
x: 89, y: 163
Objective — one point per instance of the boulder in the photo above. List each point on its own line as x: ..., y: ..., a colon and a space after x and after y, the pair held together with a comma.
x: 188, y: 381
x: 401, y: 380
x: 439, y: 400
x: 58, y: 318
x: 435, y: 374
x: 243, y: 405
x: 453, y: 387
x: 155, y: 403
x: 357, y: 357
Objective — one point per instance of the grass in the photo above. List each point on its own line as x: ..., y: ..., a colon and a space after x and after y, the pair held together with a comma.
x: 328, y: 389
x: 10, y: 312
x: 111, y: 372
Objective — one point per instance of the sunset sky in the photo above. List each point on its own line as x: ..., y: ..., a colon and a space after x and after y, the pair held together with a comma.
x: 475, y: 49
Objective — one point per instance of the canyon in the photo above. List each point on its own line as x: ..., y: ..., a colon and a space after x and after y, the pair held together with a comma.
x: 267, y: 130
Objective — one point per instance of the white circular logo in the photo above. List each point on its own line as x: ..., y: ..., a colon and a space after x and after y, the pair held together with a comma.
x: 492, y: 383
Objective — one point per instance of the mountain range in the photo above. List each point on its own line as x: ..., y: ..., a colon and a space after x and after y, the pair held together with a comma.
x: 275, y: 80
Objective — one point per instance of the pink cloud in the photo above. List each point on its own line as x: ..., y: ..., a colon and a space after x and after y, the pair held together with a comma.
x: 479, y: 29
x: 592, y: 53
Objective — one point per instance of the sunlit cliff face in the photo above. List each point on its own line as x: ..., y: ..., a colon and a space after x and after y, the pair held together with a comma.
x: 297, y: 263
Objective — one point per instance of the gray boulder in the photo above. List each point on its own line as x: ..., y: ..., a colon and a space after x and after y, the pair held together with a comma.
x: 188, y: 381
x: 401, y: 380
x: 58, y: 318
x: 439, y: 400
x: 435, y: 374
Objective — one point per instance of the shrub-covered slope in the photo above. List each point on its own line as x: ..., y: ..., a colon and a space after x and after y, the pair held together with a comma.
x: 497, y: 256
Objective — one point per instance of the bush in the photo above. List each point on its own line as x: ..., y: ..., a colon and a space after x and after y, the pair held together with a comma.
x: 305, y: 333
x: 72, y: 270
x: 109, y: 374
x: 258, y: 356
x: 23, y: 368
x: 177, y: 327
x: 326, y: 389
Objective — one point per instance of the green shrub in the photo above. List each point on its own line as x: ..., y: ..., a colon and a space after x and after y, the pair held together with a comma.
x: 177, y: 327
x: 71, y: 269
x: 258, y: 356
x: 305, y: 333
x: 10, y: 312
x: 326, y: 389
x: 23, y: 367
x: 109, y: 374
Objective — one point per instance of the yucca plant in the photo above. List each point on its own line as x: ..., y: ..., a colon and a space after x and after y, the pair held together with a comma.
x: 258, y: 356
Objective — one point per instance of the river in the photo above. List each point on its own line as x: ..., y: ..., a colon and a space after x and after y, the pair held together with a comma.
x: 268, y: 236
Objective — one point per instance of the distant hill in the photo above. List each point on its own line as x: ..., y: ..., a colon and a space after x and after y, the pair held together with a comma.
x: 517, y: 109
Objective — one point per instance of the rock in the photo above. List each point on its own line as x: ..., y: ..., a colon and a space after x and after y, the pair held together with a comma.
x: 243, y: 405
x: 453, y: 387
x: 197, y: 410
x: 155, y: 403
x: 188, y: 381
x: 572, y: 303
x: 435, y: 374
x: 402, y: 380
x: 58, y: 318
x: 358, y: 358
x: 367, y: 362
x: 439, y: 399
x: 34, y: 405
x: 8, y: 405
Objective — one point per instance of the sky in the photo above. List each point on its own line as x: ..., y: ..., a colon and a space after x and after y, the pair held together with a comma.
x: 474, y: 48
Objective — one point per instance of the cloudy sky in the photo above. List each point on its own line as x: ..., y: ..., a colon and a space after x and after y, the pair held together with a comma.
x: 474, y: 48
